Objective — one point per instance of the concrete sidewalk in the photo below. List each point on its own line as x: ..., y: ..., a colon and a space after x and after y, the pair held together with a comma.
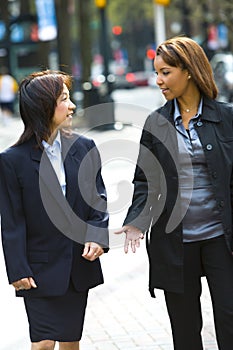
x: 121, y: 315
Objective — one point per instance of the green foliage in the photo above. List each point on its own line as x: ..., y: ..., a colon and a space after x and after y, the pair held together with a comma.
x: 121, y: 12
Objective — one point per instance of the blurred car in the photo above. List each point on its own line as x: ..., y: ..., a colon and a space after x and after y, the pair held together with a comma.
x: 123, y: 81
x: 222, y: 65
x: 119, y: 81
x: 138, y: 78
x: 127, y: 80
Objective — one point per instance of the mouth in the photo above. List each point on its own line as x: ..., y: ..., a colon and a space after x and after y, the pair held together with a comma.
x: 164, y: 90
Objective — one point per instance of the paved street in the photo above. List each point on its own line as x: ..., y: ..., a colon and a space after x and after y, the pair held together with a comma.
x: 120, y: 315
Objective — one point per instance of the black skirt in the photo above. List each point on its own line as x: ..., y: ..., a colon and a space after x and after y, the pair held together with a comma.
x: 57, y: 318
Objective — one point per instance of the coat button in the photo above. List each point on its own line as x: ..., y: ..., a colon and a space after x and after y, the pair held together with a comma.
x: 214, y: 174
x: 199, y: 123
x: 221, y: 204
x: 209, y: 147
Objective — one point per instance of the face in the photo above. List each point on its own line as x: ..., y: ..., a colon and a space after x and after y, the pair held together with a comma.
x: 63, y: 111
x: 173, y: 81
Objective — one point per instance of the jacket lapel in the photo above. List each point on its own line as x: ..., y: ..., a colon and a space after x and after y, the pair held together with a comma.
x: 50, y: 189
x: 71, y: 164
x: 166, y: 131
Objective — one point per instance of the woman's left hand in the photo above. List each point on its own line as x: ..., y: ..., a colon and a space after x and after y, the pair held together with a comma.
x: 24, y: 284
x: 92, y: 251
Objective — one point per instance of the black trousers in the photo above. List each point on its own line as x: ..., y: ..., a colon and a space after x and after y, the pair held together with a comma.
x: 211, y: 258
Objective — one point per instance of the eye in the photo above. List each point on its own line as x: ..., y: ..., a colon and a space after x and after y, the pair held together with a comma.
x: 65, y: 97
x: 165, y: 73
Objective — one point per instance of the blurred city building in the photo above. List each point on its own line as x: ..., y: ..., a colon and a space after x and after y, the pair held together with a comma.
x: 104, y: 40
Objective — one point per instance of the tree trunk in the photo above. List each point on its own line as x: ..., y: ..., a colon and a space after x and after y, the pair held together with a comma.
x: 5, y: 60
x: 85, y: 44
x: 64, y: 38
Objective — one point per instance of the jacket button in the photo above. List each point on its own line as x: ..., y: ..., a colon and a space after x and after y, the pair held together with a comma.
x: 221, y: 204
x: 199, y: 123
x: 209, y: 147
x: 214, y: 174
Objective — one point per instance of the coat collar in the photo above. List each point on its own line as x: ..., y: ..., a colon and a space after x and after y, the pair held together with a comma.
x: 46, y: 171
x: 71, y: 164
x: 208, y: 111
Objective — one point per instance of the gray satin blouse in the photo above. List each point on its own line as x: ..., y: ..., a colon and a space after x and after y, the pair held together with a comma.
x: 201, y: 219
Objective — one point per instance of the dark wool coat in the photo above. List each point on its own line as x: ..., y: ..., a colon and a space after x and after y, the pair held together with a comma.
x: 43, y: 232
x: 156, y: 207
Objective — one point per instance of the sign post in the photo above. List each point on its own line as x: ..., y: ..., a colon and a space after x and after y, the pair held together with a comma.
x: 159, y: 20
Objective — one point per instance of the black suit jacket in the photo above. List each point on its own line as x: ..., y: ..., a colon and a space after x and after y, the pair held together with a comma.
x: 156, y: 201
x: 43, y: 232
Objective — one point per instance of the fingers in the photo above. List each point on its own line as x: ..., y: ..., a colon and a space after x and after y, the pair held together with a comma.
x: 92, y: 251
x: 122, y: 230
x: 126, y: 245
x: 24, y: 284
x: 132, y: 238
x: 133, y: 243
x: 32, y: 282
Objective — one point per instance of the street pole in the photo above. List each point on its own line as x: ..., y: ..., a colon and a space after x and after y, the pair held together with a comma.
x: 159, y: 24
x: 186, y: 22
x: 104, y: 46
x: 104, y: 41
x: 108, y: 115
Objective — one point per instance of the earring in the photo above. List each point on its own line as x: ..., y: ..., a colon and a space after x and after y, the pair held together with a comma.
x: 189, y: 76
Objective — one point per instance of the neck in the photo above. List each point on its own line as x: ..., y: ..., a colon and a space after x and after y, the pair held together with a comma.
x: 189, y: 105
x: 52, y: 137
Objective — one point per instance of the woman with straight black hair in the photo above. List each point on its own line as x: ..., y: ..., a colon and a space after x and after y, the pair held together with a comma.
x: 53, y: 213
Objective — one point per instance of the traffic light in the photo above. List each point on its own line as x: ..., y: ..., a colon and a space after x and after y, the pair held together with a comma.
x: 150, y: 54
x: 100, y: 3
x: 117, y: 30
x: 162, y: 2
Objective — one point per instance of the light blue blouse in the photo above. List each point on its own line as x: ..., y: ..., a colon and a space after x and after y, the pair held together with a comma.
x: 55, y: 156
x: 201, y: 217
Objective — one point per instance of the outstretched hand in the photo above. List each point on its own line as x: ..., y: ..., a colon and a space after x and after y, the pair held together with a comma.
x: 132, y: 237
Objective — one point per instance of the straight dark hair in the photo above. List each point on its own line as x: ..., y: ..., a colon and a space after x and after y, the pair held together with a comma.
x: 38, y: 94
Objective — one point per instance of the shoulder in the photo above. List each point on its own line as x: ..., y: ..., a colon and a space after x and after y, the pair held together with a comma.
x: 160, y: 116
x: 77, y: 144
x: 225, y: 107
x: 214, y: 104
x: 78, y: 140
x: 220, y: 115
x: 10, y: 157
x: 16, y: 153
x: 12, y: 152
x: 220, y: 111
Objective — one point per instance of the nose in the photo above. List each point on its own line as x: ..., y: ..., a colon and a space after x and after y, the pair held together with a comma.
x: 159, y: 80
x: 72, y: 105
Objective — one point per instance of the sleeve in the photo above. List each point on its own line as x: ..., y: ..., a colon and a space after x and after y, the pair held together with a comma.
x: 146, y: 183
x: 97, y: 223
x: 13, y: 226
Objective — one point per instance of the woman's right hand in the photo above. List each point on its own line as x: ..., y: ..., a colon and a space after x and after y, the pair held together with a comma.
x: 24, y: 283
x: 132, y: 237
